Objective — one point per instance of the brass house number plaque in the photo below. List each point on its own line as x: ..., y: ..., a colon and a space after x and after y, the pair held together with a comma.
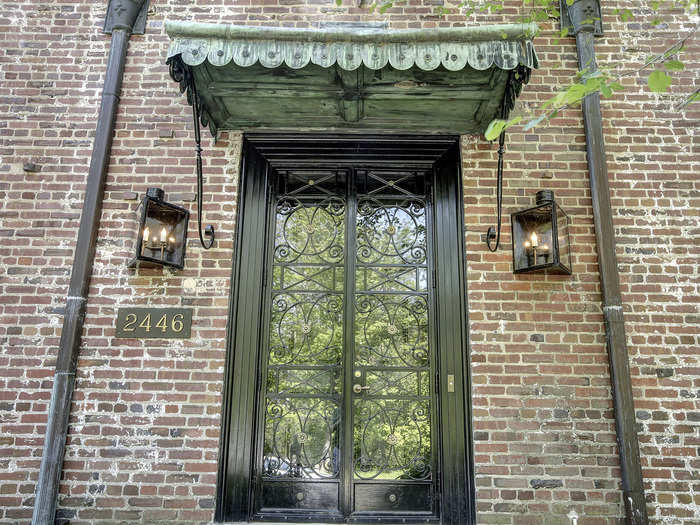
x: 161, y: 323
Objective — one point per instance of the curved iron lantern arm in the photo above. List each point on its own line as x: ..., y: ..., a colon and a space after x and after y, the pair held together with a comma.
x: 209, y: 230
x: 495, y: 233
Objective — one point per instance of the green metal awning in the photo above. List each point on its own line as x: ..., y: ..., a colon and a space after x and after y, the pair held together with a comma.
x: 448, y: 80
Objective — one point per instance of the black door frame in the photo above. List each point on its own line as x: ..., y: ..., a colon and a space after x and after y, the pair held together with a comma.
x: 241, y: 380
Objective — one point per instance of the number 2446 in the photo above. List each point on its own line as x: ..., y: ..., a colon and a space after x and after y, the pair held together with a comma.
x: 131, y: 320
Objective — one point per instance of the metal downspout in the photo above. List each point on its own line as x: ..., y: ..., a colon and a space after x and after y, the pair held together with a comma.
x: 625, y: 421
x: 123, y: 17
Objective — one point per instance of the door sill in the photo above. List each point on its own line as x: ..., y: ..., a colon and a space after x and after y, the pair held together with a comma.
x: 405, y: 520
x: 351, y: 521
x: 376, y: 519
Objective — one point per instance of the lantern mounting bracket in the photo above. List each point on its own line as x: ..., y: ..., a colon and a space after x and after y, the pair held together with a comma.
x: 495, y: 233
x: 209, y: 230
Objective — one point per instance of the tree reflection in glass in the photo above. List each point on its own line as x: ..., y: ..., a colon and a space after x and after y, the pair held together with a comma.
x: 391, y: 418
x: 391, y: 424
x: 302, y: 413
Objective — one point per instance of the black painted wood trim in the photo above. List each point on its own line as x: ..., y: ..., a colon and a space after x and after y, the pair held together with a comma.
x: 346, y: 485
x: 245, y: 314
x: 458, y: 492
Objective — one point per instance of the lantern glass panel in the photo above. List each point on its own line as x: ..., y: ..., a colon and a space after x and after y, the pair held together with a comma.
x: 532, y: 238
x: 541, y: 237
x: 563, y: 243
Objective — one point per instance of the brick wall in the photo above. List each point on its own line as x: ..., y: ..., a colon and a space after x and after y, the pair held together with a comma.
x: 145, y: 418
x: 654, y: 163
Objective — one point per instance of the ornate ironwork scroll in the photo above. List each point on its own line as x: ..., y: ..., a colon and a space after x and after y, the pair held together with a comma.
x: 392, y: 418
x: 305, y: 331
x: 324, y: 432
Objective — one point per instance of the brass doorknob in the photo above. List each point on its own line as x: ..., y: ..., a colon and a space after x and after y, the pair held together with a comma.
x: 359, y: 388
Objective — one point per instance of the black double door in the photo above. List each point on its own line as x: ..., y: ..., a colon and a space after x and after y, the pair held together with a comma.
x: 347, y: 419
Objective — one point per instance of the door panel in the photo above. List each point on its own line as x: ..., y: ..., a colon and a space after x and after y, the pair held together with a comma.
x: 305, y: 342
x: 389, y: 498
x: 392, y: 367
x: 300, y: 496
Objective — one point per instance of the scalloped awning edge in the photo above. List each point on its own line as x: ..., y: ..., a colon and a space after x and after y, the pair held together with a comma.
x: 505, y: 46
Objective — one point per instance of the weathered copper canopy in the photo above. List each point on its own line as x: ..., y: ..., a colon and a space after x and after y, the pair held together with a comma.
x: 452, y: 80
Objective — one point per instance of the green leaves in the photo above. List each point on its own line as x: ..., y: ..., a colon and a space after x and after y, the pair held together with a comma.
x: 470, y: 7
x: 674, y: 65
x: 591, y: 81
x: 385, y: 7
x: 498, y: 126
x: 572, y: 94
x: 562, y: 33
x: 659, y: 81
x: 624, y: 14
x: 534, y: 122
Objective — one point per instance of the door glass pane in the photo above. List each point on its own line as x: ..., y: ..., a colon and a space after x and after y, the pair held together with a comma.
x: 392, y: 410
x: 305, y: 345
